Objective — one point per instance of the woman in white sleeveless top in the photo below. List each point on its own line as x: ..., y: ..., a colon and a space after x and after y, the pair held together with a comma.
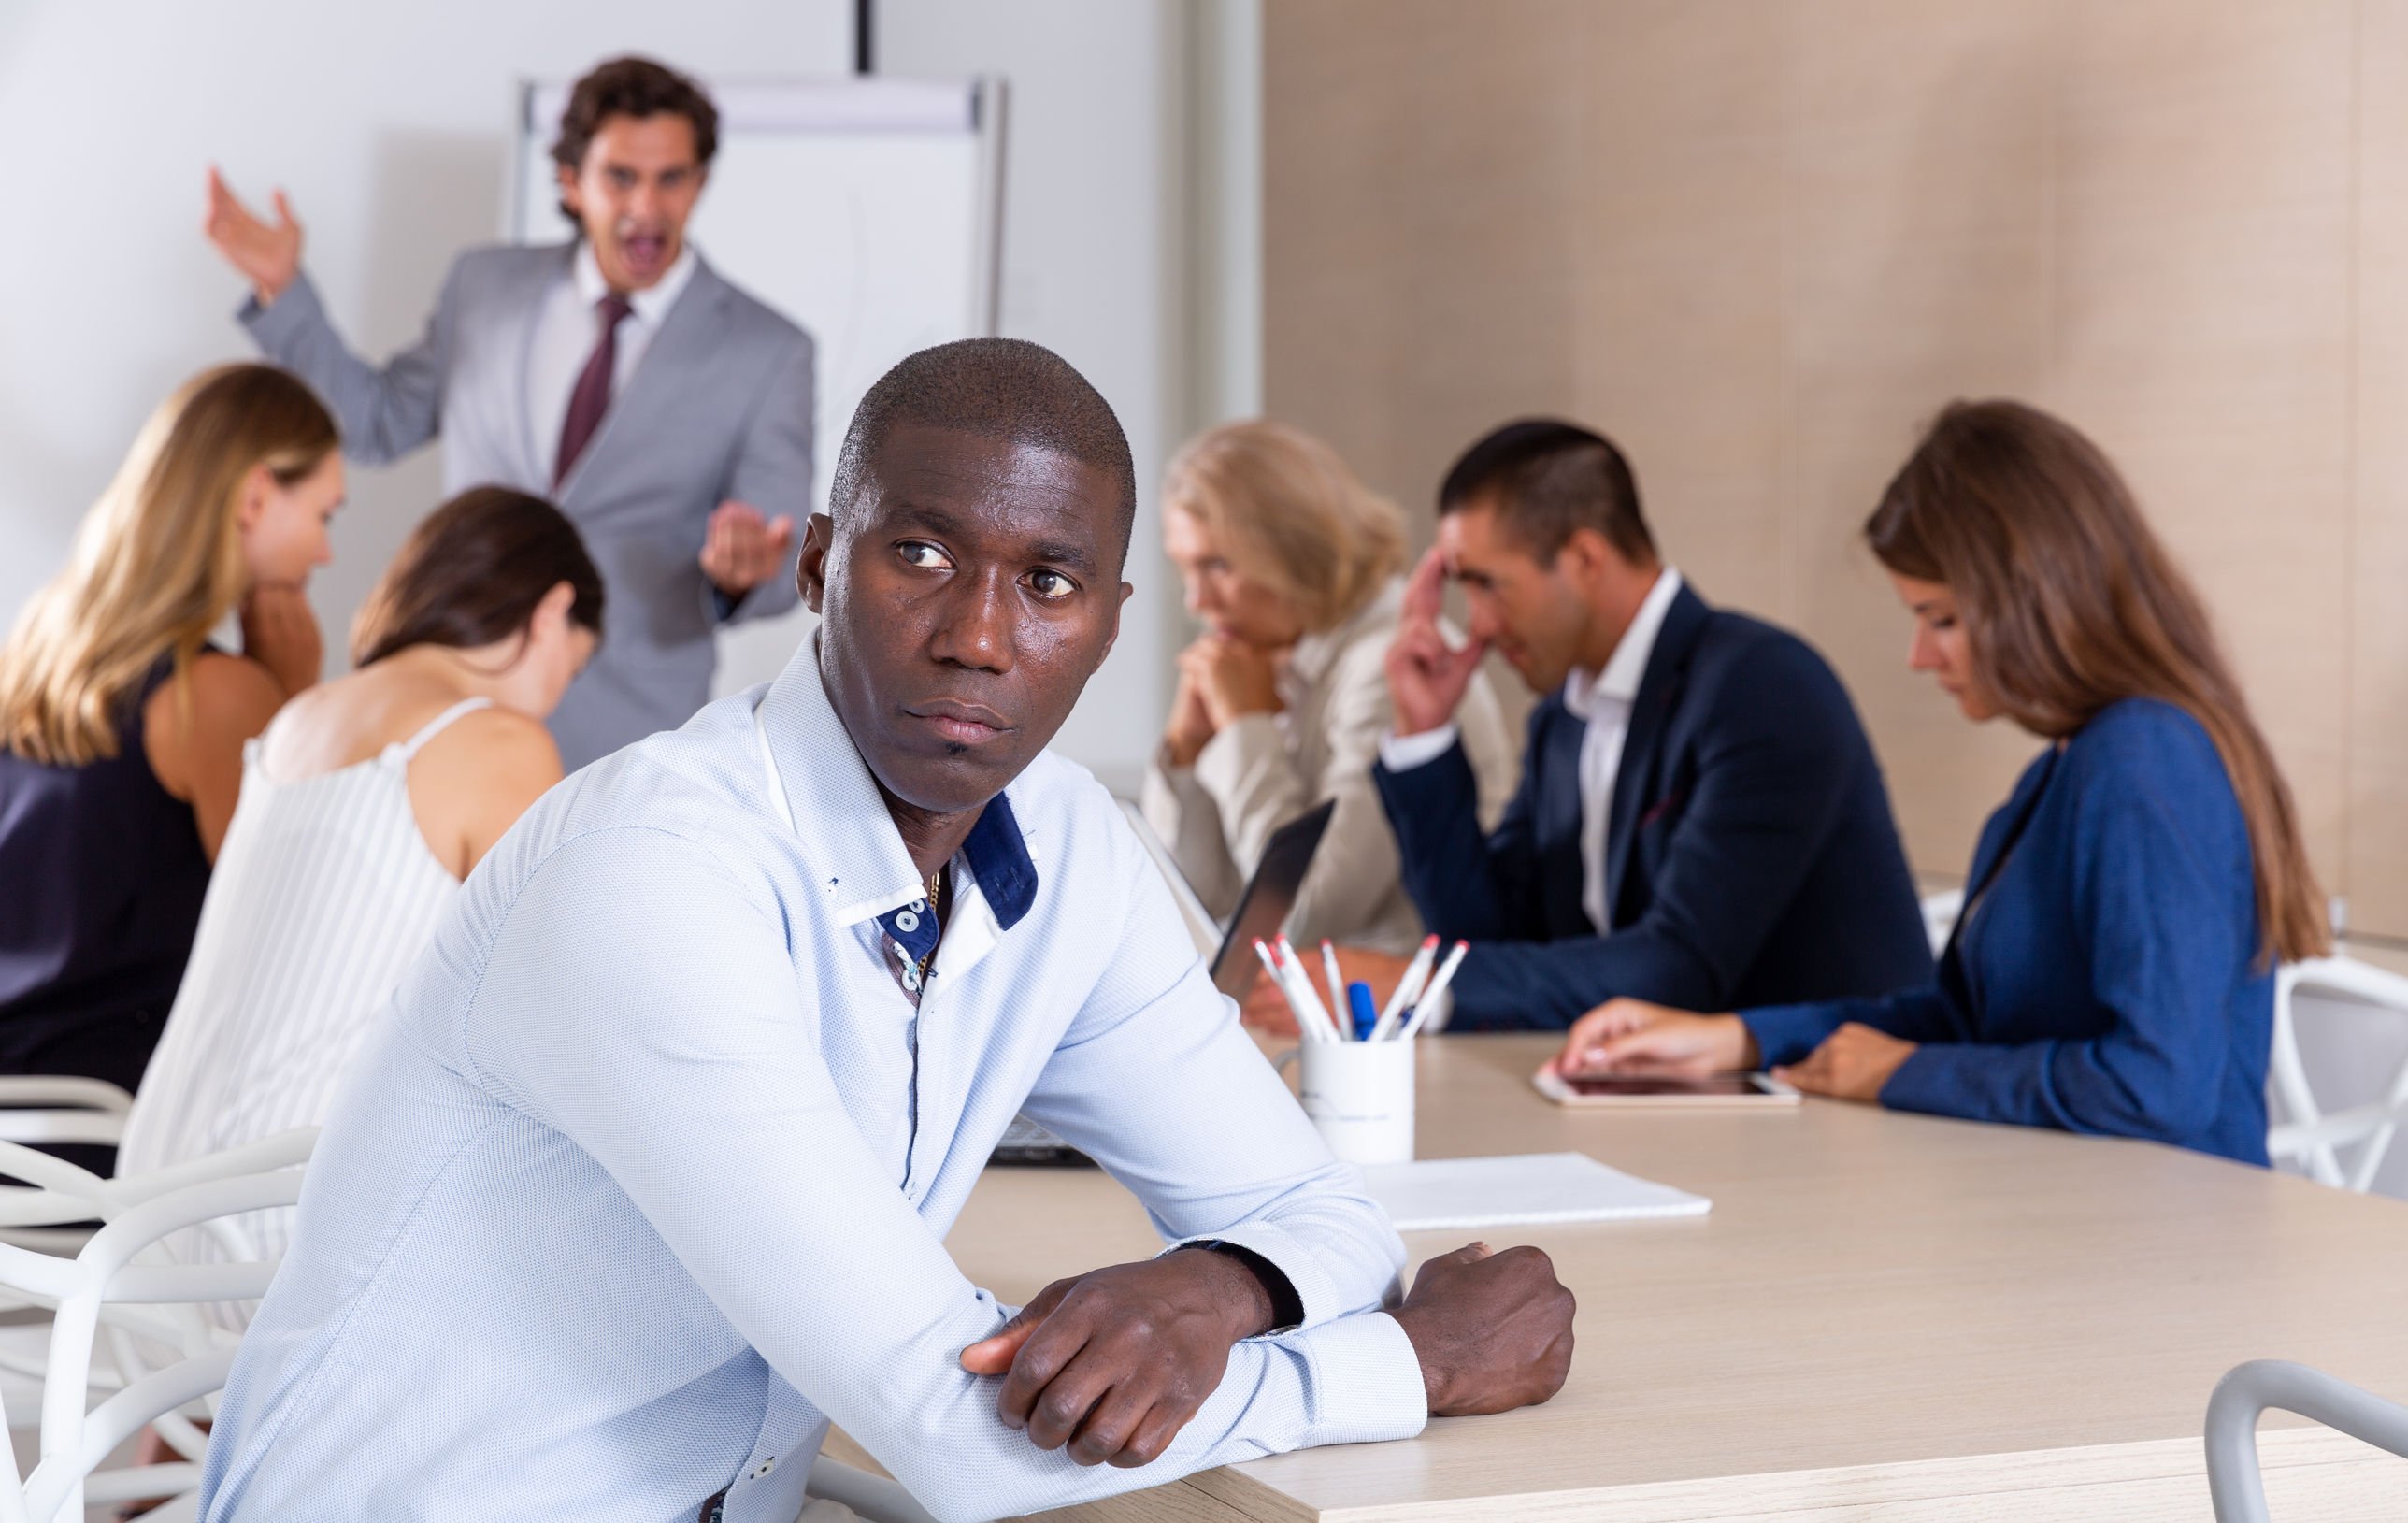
x: 362, y: 808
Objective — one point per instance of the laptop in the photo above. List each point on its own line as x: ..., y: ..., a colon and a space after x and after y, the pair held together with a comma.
x: 1269, y: 895
x: 1262, y: 910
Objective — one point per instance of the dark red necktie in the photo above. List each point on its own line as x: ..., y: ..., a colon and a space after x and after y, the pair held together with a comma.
x: 592, y: 398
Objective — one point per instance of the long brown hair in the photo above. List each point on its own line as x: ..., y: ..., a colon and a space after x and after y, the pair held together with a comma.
x: 158, y: 561
x: 473, y: 572
x: 2070, y: 604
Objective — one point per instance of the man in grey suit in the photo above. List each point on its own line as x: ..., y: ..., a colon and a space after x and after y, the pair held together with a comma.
x: 685, y: 472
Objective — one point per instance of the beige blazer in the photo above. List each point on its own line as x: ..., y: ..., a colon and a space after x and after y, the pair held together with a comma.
x: 1265, y: 769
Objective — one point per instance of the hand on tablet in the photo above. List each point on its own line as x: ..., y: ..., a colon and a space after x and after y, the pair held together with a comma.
x: 1853, y: 1063
x: 1631, y: 1036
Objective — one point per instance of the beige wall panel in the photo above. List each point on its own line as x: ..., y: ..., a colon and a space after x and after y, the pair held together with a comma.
x: 1680, y: 335
x: 1919, y: 183
x: 1761, y: 241
x: 1418, y: 234
x: 2376, y: 877
x: 2203, y: 326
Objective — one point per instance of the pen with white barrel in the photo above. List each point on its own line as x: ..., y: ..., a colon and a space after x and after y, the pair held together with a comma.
x: 1427, y: 1000
x: 1306, y: 1027
x: 1407, y: 987
x: 1299, y: 983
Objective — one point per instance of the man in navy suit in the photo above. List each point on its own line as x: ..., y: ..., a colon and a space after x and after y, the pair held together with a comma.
x: 1700, y: 820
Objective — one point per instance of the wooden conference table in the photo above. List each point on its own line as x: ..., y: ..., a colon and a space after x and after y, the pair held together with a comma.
x: 1885, y: 1317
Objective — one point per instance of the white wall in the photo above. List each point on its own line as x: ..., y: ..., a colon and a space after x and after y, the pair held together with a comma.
x: 387, y: 126
x: 1095, y: 202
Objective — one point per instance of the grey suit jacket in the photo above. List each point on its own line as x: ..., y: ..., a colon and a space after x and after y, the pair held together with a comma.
x: 719, y: 407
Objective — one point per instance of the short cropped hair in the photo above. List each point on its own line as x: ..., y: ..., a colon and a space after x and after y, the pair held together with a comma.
x: 1546, y: 478
x: 635, y: 87
x: 995, y: 388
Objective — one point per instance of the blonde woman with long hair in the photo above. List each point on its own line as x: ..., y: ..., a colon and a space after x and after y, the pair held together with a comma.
x: 1292, y: 564
x: 121, y: 727
x: 2113, y: 970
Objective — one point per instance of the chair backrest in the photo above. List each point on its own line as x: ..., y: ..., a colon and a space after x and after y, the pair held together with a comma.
x: 2233, y: 1482
x: 168, y: 1354
x: 62, y: 1108
x: 104, y: 1280
x: 2307, y: 1135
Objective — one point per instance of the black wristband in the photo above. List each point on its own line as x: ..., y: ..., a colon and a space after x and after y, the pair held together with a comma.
x: 1287, y: 1307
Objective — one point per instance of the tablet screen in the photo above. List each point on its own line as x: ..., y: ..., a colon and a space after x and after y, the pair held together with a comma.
x: 1634, y: 1083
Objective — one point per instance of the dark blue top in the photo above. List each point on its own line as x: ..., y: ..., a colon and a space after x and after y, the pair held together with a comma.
x: 1752, y: 858
x: 2106, y: 978
x: 101, y: 880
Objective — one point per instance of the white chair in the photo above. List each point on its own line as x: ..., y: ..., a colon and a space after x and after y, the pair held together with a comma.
x: 1940, y: 912
x: 63, y: 1110
x: 160, y: 1302
x: 58, y: 1191
x: 2306, y: 1135
x: 873, y: 1498
x: 2233, y: 1483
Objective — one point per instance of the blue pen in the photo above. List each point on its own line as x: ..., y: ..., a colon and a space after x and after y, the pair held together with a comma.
x: 1366, y: 1014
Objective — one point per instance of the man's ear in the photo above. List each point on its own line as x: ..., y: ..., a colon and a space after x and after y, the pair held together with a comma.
x: 1585, y: 556
x: 811, y: 567
x: 1113, y: 635
x: 564, y: 180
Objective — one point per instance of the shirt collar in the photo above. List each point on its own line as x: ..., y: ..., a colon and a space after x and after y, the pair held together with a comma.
x: 857, y: 855
x: 1586, y: 694
x: 648, y: 306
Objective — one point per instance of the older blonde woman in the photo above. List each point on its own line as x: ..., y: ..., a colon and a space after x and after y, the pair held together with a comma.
x: 1292, y: 566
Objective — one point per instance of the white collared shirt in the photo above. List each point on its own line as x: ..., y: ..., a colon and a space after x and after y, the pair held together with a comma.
x: 568, y: 328
x: 643, y: 1176
x: 1602, y: 702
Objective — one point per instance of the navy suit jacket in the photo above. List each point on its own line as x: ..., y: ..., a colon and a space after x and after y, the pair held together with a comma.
x: 2108, y: 976
x: 1752, y: 856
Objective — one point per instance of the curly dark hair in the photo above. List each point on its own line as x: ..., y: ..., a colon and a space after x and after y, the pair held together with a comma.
x: 636, y: 87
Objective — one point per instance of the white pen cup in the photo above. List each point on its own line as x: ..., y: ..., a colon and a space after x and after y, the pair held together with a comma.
x: 1359, y: 1095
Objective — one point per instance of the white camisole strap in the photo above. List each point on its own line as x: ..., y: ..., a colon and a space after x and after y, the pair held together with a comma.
x: 435, y: 727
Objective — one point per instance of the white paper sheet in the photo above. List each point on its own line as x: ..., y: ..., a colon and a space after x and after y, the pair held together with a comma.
x: 1519, y: 1190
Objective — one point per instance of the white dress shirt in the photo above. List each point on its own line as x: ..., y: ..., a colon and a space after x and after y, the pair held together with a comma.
x: 1601, y: 700
x: 568, y: 328
x: 643, y: 1178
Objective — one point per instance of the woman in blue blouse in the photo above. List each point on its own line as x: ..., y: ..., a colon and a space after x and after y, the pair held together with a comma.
x: 2112, y: 969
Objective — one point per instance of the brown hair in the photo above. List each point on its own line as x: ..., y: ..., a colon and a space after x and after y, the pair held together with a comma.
x: 473, y: 573
x: 1547, y: 478
x: 158, y: 561
x: 635, y: 87
x: 2071, y: 604
x: 1288, y: 515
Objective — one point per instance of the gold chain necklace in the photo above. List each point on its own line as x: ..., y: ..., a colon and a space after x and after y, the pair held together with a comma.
x: 936, y: 897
